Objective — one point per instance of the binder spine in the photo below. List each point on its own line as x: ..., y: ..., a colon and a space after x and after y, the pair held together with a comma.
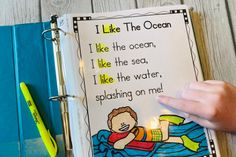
x: 62, y: 94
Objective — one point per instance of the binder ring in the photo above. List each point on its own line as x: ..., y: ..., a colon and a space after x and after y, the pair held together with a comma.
x: 50, y: 30
x: 60, y: 97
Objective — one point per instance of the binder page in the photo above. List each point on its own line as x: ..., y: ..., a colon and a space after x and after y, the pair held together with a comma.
x: 126, y: 60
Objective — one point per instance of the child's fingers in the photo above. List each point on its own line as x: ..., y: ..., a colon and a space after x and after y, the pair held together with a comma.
x: 191, y: 107
x: 195, y: 95
x: 201, y: 86
x: 202, y: 122
x: 214, y: 82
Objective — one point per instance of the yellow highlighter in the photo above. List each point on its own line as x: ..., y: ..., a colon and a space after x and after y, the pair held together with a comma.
x: 48, y: 140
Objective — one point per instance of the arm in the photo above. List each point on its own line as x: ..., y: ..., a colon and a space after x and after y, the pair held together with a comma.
x: 120, y: 144
x: 211, y: 103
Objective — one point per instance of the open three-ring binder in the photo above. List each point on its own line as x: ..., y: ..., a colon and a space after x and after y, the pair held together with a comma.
x: 111, y: 66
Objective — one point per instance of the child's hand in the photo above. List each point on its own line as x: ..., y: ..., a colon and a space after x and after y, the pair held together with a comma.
x: 211, y: 103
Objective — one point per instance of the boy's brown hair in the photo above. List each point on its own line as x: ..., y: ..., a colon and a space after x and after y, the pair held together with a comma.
x: 119, y: 110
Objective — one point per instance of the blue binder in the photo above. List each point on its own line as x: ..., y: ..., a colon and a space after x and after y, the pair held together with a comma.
x: 26, y: 56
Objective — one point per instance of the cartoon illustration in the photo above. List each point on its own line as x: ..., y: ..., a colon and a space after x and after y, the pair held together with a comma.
x: 123, y: 123
x: 171, y: 136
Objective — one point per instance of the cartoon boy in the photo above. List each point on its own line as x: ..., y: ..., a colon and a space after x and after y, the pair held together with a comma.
x: 124, y: 119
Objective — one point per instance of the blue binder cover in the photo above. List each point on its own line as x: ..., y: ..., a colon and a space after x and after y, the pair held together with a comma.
x: 26, y: 56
